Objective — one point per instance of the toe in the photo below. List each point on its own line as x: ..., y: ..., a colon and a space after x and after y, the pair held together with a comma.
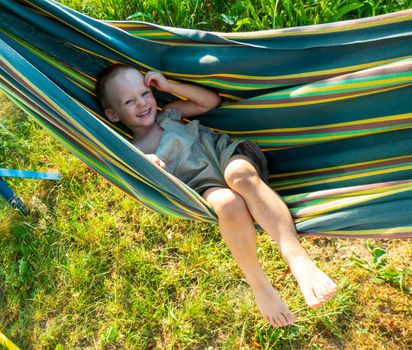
x: 329, y: 289
x: 333, y: 288
x: 311, y: 299
x: 276, y: 321
x: 283, y: 320
x: 332, y: 285
x: 290, y: 318
x: 319, y: 293
x: 272, y: 320
x: 331, y: 293
x: 326, y: 293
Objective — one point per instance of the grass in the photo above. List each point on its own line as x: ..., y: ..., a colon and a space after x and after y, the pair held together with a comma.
x: 245, y: 15
x: 89, y: 268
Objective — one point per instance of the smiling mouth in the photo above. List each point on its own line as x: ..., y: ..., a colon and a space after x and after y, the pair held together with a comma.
x: 144, y: 113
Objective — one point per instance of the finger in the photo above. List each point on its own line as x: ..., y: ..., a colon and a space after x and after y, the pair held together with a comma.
x: 149, y: 78
x: 153, y: 158
x: 157, y: 160
x: 148, y: 81
x: 161, y: 163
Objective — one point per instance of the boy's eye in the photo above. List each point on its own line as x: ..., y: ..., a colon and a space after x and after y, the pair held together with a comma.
x: 145, y: 93
x: 128, y: 102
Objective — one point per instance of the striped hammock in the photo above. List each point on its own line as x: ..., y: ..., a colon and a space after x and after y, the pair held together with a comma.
x: 330, y: 105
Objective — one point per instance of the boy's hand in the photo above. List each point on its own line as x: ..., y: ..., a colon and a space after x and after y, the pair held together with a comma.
x: 193, y: 99
x: 155, y: 159
x: 157, y: 80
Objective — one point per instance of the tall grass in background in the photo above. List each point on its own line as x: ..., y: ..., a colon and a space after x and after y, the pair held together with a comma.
x: 89, y: 268
x: 244, y: 15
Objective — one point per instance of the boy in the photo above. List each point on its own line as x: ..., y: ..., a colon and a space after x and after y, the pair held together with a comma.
x: 229, y: 175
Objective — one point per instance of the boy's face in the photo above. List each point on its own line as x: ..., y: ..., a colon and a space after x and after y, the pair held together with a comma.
x: 130, y: 100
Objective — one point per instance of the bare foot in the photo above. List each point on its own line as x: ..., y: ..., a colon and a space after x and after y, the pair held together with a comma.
x: 316, y: 287
x: 272, y: 307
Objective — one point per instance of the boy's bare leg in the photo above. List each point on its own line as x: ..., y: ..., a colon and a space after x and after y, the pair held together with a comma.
x: 238, y: 231
x: 272, y: 214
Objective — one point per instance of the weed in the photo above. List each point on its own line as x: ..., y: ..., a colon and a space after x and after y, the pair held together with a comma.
x: 381, y: 272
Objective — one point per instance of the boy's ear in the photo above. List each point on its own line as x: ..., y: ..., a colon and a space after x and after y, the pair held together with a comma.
x: 111, y: 115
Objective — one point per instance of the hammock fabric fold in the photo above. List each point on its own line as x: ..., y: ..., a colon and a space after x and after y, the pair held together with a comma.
x: 330, y: 105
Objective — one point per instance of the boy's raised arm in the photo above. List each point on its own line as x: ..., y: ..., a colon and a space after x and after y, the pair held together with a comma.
x: 198, y: 99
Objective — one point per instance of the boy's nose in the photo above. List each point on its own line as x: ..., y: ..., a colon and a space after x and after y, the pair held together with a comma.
x: 140, y: 101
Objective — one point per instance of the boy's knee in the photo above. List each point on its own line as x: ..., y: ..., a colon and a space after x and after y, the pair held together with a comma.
x: 240, y: 174
x: 231, y: 207
x: 227, y: 204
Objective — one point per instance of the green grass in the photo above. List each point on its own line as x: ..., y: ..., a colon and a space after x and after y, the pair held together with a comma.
x: 89, y: 268
x: 245, y: 15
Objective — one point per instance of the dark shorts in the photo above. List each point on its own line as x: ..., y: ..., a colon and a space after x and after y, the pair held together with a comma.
x: 244, y: 148
x: 254, y: 153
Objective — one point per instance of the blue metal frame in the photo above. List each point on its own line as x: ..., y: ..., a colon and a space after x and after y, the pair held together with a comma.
x: 28, y: 174
x: 11, y: 198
